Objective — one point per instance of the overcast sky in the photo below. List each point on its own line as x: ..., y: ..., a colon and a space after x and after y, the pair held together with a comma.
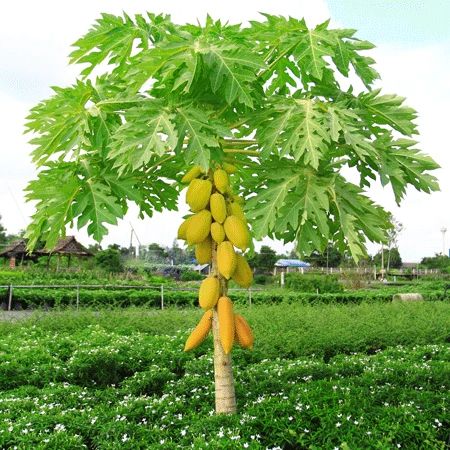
x: 413, y: 44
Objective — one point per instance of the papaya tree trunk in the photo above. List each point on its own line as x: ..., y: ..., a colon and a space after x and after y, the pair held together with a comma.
x: 223, y: 370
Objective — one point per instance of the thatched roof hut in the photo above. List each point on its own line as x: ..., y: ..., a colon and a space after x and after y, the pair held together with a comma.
x: 67, y: 246
x: 16, y: 249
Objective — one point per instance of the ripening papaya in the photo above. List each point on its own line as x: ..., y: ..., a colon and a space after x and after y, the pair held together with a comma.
x: 217, y: 232
x: 237, y: 232
x: 182, y: 229
x: 226, y: 323
x: 218, y: 207
x: 198, y: 194
x: 198, y: 227
x: 243, y: 332
x: 203, y: 251
x: 238, y: 199
x: 200, y: 332
x: 209, y: 293
x: 221, y: 180
x: 229, y: 168
x: 235, y: 209
x: 226, y: 259
x: 243, y: 274
x: 195, y: 172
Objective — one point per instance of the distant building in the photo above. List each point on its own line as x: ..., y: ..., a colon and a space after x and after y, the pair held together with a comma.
x: 202, y: 268
x: 290, y: 265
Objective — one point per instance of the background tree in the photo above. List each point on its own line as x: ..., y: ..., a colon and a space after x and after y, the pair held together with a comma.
x: 331, y: 257
x: 264, y: 260
x: 270, y: 96
x: 109, y: 260
x: 393, y: 254
x: 156, y: 254
x: 437, y: 261
x: 393, y: 235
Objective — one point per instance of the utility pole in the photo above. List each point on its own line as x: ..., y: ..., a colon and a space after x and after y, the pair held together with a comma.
x: 443, y: 231
x: 133, y: 232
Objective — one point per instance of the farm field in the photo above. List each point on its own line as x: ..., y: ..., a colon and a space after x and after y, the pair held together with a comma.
x: 130, y: 292
x: 373, y: 375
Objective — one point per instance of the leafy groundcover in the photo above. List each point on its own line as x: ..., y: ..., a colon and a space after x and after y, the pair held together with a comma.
x: 119, y: 380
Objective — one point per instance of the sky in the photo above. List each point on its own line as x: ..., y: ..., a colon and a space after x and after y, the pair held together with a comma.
x: 413, y: 44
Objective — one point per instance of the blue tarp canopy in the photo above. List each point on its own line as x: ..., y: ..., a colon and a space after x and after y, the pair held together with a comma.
x: 291, y: 263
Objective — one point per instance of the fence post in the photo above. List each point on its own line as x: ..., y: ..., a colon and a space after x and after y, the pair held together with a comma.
x: 78, y: 296
x: 10, y: 297
x: 162, y: 296
x: 250, y: 296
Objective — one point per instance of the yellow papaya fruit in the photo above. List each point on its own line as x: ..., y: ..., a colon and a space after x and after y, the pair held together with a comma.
x: 226, y: 259
x: 229, y: 168
x: 243, y: 274
x: 218, y: 207
x: 221, y: 180
x: 182, y: 229
x: 200, y: 332
x: 209, y: 293
x: 198, y: 227
x: 236, y: 231
x: 198, y: 193
x: 235, y: 209
x: 217, y: 232
x: 238, y: 199
x: 203, y: 251
x: 195, y: 172
x: 243, y: 332
x: 226, y: 323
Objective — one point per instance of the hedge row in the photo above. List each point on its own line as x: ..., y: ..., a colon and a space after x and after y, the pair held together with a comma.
x: 32, y: 298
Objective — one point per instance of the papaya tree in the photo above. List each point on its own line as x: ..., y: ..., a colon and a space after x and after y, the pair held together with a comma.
x: 287, y: 108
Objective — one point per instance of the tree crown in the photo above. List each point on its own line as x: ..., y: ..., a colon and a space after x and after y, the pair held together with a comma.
x: 154, y: 96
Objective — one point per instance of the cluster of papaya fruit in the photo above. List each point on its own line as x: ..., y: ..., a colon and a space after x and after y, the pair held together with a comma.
x: 216, y: 227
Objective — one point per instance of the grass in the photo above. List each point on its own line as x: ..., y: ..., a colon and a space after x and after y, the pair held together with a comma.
x: 362, y: 376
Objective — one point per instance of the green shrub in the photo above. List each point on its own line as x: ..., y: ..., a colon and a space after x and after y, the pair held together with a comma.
x: 264, y: 279
x: 191, y: 275
x: 149, y: 382
x: 313, y: 283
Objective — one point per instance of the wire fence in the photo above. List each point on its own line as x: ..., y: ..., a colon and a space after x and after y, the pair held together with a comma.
x: 78, y: 289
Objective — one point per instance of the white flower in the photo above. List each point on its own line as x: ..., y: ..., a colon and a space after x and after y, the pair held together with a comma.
x: 125, y: 438
x: 59, y: 427
x: 220, y: 434
x: 183, y: 432
x: 245, y: 445
x: 338, y: 424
